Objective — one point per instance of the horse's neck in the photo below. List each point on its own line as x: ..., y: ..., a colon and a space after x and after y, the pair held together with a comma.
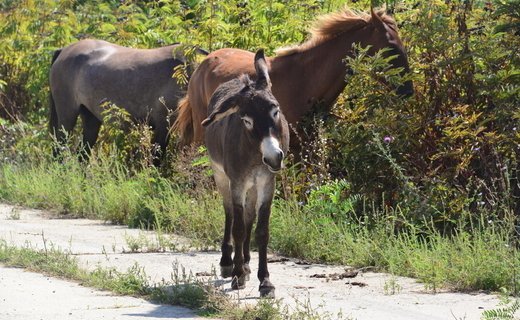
x: 312, y: 76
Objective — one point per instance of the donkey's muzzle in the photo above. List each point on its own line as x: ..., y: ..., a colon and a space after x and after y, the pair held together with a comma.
x: 274, y: 163
x: 272, y: 155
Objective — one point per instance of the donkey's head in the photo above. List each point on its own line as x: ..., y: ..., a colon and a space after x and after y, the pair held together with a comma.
x: 260, y: 112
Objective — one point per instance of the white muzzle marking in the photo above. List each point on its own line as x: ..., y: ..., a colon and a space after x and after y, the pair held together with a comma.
x: 272, y: 155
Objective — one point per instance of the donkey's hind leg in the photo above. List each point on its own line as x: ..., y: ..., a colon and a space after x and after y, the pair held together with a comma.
x: 247, y: 253
x: 265, y: 197
x: 250, y: 216
x: 91, y: 126
x: 239, y: 191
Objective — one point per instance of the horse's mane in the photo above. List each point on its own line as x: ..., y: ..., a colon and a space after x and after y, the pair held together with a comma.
x: 333, y: 24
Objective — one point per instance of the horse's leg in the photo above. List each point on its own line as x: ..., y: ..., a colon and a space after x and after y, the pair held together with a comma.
x: 199, y: 112
x: 63, y: 121
x: 264, y: 200
x: 160, y: 138
x: 226, y: 263
x: 91, y: 126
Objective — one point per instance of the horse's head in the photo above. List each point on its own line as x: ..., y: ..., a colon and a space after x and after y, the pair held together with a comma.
x: 258, y: 109
x: 383, y: 35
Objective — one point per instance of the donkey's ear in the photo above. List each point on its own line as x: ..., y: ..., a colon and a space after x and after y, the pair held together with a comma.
x: 226, y: 99
x: 262, y: 74
x: 376, y: 20
x: 219, y: 114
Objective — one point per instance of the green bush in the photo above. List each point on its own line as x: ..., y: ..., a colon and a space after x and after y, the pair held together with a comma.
x: 32, y: 30
x: 453, y: 147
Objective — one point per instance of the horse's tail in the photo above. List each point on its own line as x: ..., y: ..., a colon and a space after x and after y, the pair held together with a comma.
x: 183, y: 125
x: 53, y: 116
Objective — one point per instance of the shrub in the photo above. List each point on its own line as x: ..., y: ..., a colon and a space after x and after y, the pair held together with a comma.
x: 451, y: 149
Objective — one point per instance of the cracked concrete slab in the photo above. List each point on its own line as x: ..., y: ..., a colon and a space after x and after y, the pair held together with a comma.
x: 368, y: 295
x: 28, y: 295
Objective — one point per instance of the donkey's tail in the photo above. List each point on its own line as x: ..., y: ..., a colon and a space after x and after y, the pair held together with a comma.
x: 53, y: 116
x: 183, y: 125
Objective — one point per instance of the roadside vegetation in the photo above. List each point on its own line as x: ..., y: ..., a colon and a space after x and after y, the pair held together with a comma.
x: 427, y: 187
x: 182, y: 289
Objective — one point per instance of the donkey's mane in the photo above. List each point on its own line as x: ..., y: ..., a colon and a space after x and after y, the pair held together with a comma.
x: 334, y: 24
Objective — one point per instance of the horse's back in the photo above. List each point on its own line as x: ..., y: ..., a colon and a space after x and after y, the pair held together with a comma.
x: 223, y: 65
x: 92, y: 71
x: 109, y: 57
x: 219, y: 66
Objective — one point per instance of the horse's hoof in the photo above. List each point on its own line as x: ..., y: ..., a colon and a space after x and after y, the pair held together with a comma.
x: 226, y: 271
x: 266, y: 289
x: 238, y: 283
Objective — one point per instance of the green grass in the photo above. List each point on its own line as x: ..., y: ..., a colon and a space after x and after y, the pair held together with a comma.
x: 184, y: 289
x: 505, y: 311
x: 107, y: 190
x: 482, y: 258
x: 67, y: 188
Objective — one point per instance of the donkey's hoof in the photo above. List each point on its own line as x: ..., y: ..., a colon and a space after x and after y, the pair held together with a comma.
x: 226, y: 271
x: 266, y: 289
x: 267, y: 292
x: 247, y: 269
x: 238, y: 283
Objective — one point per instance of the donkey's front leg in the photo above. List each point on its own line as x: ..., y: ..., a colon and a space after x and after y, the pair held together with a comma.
x: 250, y: 217
x: 239, y: 235
x: 222, y: 181
x: 264, y: 200
x: 226, y: 263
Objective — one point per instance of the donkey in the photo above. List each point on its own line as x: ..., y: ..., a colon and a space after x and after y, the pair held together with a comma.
x: 89, y: 72
x: 246, y: 137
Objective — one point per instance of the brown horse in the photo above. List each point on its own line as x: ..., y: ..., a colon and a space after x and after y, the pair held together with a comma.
x: 89, y: 72
x: 302, y: 76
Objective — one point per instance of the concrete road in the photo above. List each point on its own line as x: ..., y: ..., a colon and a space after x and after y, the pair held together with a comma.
x: 369, y: 295
x: 32, y: 296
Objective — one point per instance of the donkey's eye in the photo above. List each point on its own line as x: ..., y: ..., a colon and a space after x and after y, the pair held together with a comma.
x: 275, y: 113
x: 248, y: 122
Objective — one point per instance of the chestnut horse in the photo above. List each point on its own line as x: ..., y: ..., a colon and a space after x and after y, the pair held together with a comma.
x: 301, y: 76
